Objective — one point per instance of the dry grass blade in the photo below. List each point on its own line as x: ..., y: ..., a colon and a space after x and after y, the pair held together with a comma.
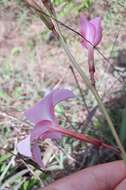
x: 13, y: 178
x: 39, y: 10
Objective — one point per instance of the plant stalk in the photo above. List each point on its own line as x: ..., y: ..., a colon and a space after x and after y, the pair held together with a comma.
x: 85, y: 138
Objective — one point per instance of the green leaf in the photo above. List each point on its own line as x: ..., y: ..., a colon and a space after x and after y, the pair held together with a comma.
x: 59, y: 109
x: 5, y: 157
x: 29, y: 184
x: 25, y: 185
x: 123, y: 126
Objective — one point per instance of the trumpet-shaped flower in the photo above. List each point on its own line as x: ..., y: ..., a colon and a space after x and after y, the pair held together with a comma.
x: 91, y: 32
x: 43, y: 117
x: 46, y: 126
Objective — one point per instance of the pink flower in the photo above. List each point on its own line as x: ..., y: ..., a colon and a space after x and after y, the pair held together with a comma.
x: 92, y: 35
x: 46, y: 125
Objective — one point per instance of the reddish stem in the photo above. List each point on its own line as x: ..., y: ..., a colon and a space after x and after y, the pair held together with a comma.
x: 91, y: 64
x: 85, y: 138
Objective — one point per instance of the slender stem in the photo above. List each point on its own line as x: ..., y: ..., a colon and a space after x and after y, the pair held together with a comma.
x: 91, y: 65
x: 85, y: 138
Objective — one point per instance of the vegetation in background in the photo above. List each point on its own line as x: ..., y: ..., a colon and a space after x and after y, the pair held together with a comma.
x: 23, y: 84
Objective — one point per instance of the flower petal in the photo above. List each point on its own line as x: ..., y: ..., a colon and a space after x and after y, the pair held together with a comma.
x: 24, y: 147
x: 61, y: 95
x: 44, y: 110
x: 43, y: 130
x: 83, y: 24
x: 36, y: 155
x: 96, y: 22
x: 87, y: 30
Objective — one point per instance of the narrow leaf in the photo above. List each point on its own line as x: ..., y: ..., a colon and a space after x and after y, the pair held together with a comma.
x: 123, y: 126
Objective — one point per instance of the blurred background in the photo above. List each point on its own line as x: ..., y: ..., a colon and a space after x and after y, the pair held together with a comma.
x: 32, y: 62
